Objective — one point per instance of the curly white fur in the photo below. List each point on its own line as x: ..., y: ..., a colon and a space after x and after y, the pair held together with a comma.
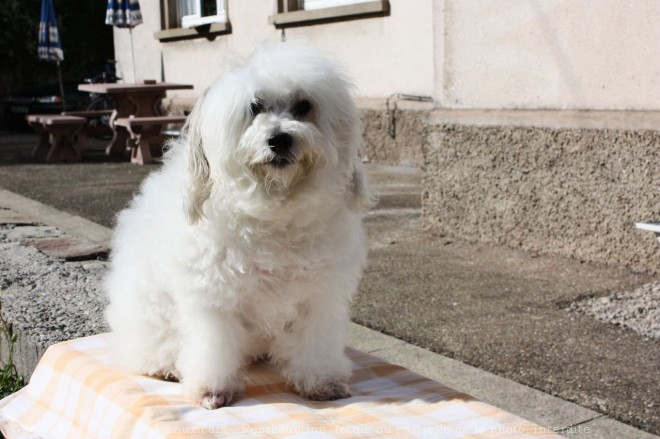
x: 239, y: 246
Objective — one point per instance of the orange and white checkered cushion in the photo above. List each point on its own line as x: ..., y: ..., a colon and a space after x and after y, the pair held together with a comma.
x: 76, y: 392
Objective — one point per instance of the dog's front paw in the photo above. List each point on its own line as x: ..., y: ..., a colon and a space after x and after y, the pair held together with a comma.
x: 326, y: 390
x: 212, y: 400
x: 168, y: 375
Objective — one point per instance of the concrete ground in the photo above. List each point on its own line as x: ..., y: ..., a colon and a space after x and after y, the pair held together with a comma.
x: 498, y: 317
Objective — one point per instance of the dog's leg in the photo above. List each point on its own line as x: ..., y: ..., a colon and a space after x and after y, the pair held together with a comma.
x: 143, y: 341
x: 312, y: 353
x: 210, y: 359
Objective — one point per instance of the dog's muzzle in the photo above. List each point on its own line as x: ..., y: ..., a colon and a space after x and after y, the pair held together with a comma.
x: 281, y: 144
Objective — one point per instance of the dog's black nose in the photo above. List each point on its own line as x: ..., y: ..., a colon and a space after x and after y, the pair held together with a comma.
x: 280, y: 142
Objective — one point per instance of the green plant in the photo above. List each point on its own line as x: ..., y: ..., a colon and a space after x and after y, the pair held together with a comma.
x: 10, y: 380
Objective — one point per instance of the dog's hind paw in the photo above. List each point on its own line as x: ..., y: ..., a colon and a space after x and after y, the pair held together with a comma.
x: 213, y: 400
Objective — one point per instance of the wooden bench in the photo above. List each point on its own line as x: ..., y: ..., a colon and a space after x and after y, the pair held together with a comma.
x: 95, y: 126
x: 146, y: 135
x: 89, y: 114
x: 61, y: 138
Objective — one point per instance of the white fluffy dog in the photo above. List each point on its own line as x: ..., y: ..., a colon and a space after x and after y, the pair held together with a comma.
x: 248, y: 241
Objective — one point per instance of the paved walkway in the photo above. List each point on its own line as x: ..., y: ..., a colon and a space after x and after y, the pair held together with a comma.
x: 500, y: 310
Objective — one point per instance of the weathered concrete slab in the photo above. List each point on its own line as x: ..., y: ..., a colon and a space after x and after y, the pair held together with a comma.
x: 46, y: 300
x: 31, y: 233
x: 9, y: 216
x: 69, y: 249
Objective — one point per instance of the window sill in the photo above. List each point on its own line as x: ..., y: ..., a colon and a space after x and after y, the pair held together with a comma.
x: 326, y: 15
x: 209, y: 31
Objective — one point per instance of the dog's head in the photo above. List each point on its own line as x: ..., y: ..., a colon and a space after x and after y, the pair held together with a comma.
x: 282, y: 121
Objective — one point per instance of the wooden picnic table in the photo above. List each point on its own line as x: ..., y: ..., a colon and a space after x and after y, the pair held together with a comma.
x: 138, y: 100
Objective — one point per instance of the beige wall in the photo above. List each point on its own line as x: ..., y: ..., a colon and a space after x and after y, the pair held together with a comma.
x: 384, y: 55
x: 552, y: 54
x: 468, y: 54
x: 147, y: 49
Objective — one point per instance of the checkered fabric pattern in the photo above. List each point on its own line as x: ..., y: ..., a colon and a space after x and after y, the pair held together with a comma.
x: 76, y: 392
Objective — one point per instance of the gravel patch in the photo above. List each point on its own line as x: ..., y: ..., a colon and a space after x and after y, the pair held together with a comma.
x: 48, y: 298
x: 638, y: 310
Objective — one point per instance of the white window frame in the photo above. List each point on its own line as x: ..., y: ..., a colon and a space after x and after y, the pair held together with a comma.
x: 312, y: 5
x: 172, y: 11
x: 196, y: 19
x: 292, y: 13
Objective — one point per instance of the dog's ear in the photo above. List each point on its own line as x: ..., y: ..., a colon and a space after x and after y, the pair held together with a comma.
x: 199, y: 181
x: 360, y: 198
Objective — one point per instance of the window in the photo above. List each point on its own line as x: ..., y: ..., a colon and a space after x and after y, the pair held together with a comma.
x: 183, y: 19
x: 303, y: 12
x: 192, y: 13
x: 310, y: 5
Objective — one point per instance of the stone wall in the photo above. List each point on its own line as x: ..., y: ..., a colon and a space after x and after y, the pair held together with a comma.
x: 398, y: 143
x: 570, y: 191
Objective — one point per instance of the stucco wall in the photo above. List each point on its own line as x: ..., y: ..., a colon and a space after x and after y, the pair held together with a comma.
x: 146, y: 48
x: 404, y: 148
x: 550, y: 54
x: 564, y: 190
x: 467, y: 54
x: 383, y: 55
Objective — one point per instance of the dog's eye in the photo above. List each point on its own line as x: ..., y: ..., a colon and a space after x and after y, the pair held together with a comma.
x: 301, y: 108
x: 256, y: 107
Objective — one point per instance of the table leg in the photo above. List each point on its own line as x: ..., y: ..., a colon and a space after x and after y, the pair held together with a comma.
x: 141, y: 153
x: 117, y: 146
x: 141, y: 138
x: 124, y: 107
x: 147, y: 104
x: 139, y: 104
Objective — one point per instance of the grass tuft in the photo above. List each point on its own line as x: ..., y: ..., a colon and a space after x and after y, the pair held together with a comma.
x: 10, y: 380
